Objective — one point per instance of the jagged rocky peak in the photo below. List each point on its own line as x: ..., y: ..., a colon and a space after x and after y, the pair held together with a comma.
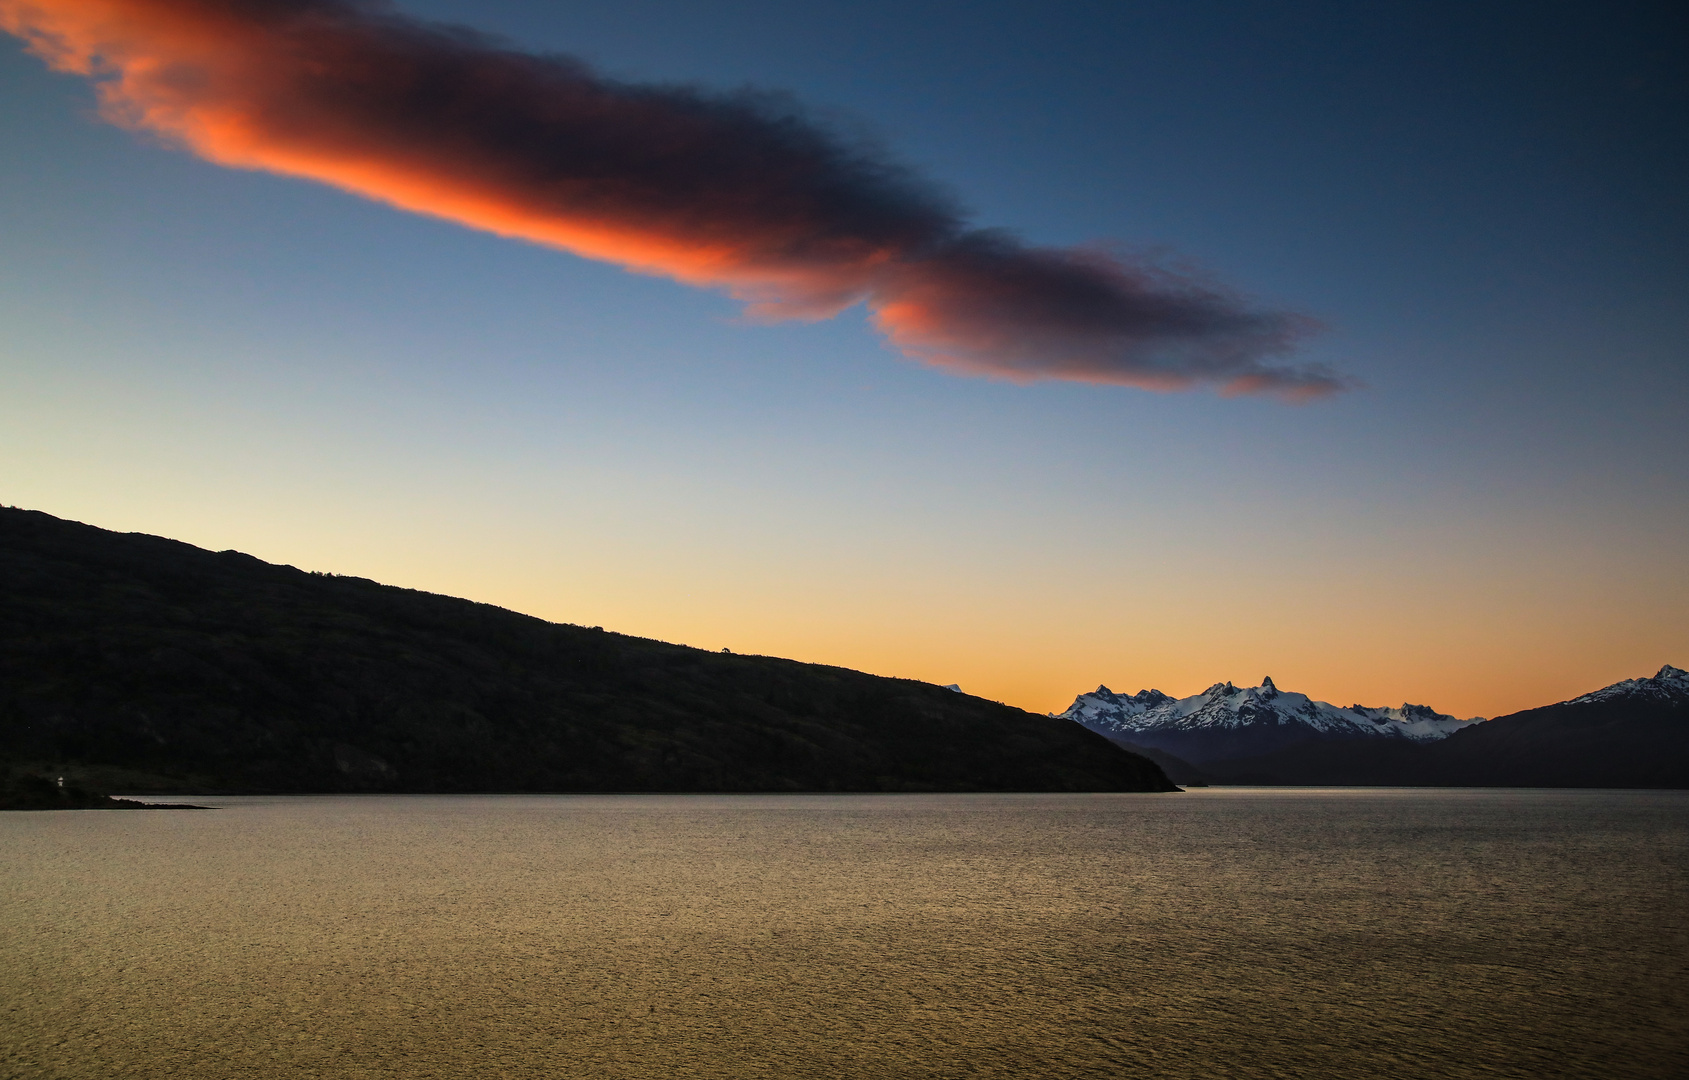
x: 1145, y: 698
x: 1224, y: 706
x: 1668, y: 682
x: 1419, y: 712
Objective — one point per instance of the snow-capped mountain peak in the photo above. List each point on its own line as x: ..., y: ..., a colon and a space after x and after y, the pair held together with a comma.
x: 1668, y: 682
x: 1629, y: 734
x: 1252, y: 718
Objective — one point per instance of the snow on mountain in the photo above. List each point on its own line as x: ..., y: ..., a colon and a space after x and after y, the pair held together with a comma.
x: 1629, y: 734
x: 1668, y: 683
x: 1230, y: 719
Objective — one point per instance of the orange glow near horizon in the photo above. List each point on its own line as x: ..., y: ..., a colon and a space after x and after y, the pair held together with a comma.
x: 249, y: 365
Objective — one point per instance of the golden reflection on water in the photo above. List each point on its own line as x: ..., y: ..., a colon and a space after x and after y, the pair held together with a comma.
x: 1218, y: 933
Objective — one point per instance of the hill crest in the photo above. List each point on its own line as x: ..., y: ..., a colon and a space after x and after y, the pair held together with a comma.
x: 153, y: 665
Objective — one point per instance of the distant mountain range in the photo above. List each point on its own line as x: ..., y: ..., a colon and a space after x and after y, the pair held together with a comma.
x: 138, y: 664
x: 135, y: 663
x: 1634, y: 733
x: 1225, y: 721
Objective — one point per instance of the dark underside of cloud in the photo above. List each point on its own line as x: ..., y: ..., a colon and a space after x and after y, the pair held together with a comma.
x: 741, y: 192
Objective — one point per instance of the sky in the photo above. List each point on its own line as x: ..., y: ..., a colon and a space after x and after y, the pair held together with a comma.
x: 1027, y: 346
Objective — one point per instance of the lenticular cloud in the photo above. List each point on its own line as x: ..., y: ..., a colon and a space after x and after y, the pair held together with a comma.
x: 739, y: 192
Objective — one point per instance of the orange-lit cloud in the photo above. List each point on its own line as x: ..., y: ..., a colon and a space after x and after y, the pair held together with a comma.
x: 738, y: 192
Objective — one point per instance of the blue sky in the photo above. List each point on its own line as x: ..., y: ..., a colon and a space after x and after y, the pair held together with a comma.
x: 1484, y: 203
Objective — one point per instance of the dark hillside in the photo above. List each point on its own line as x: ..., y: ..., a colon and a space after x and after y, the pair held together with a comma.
x: 1631, y: 740
x: 149, y: 664
x: 1611, y: 739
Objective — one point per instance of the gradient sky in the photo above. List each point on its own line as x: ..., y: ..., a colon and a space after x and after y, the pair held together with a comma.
x: 1487, y: 205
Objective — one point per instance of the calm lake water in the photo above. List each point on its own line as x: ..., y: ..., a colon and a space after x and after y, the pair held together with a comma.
x: 1217, y: 933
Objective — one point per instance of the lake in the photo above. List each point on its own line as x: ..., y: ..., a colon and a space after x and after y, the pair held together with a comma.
x: 1216, y: 933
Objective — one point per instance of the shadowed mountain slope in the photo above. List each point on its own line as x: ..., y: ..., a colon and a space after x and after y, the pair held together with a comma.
x: 147, y: 664
x: 1227, y: 722
x: 1633, y: 734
